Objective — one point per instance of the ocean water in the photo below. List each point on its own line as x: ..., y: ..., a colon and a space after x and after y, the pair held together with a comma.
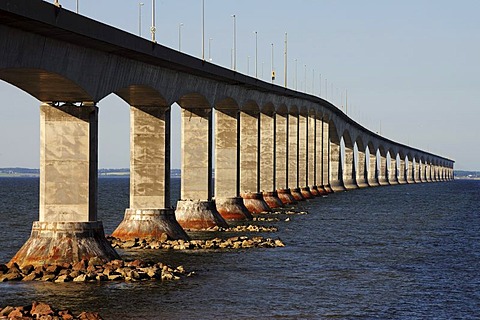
x: 400, y: 252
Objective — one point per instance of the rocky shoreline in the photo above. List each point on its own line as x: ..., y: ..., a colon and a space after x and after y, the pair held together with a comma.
x: 43, y: 311
x: 239, y: 242
x: 94, y: 270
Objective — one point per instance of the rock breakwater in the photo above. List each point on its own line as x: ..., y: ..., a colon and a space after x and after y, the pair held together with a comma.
x: 93, y: 270
x: 43, y: 311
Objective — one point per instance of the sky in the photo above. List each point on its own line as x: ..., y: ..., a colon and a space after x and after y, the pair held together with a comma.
x: 411, y: 68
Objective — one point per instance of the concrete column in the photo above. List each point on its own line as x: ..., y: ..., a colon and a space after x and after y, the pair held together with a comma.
x: 267, y: 161
x: 410, y: 171
x: 422, y: 171
x: 303, y: 156
x: 393, y: 171
x: 196, y: 210
x: 281, y: 152
x: 416, y: 173
x: 361, y: 172
x: 336, y: 175
x: 311, y: 154
x: 349, y: 173
x: 382, y: 171
x: 401, y: 172
x: 319, y: 157
x: 67, y: 230
x: 150, y: 214
x: 227, y: 172
x: 326, y: 157
x: 428, y: 172
x: 249, y: 163
x: 293, y: 157
x: 372, y: 170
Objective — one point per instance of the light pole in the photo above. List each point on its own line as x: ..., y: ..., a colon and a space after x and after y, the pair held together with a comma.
x: 296, y: 79
x: 180, y: 25
x: 248, y: 65
x: 285, y: 62
x: 273, y: 70
x: 210, y: 49
x: 203, y: 30
x: 77, y: 6
x: 152, y: 29
x: 305, y: 79
x: 140, y: 5
x: 234, y: 52
x: 256, y: 54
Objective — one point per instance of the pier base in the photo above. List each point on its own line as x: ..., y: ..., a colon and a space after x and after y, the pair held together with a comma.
x: 198, y: 214
x: 233, y: 209
x: 305, y: 191
x: 272, y: 200
x: 297, y: 194
x: 64, y: 242
x: 285, y: 196
x: 149, y: 224
x: 322, y: 191
x: 314, y: 191
x: 255, y: 203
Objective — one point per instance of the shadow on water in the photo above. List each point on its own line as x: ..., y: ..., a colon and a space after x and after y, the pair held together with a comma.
x: 398, y: 252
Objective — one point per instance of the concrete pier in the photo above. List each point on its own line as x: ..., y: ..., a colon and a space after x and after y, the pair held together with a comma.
x: 286, y: 196
x: 227, y: 172
x: 336, y: 174
x: 393, y: 172
x: 402, y: 171
x: 250, y: 162
x: 150, y: 214
x: 372, y: 170
x: 361, y: 173
x: 349, y: 173
x: 196, y: 210
x: 67, y: 230
x: 383, y: 172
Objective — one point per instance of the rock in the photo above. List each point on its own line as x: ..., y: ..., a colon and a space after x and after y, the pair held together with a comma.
x: 80, y: 265
x: 6, y: 311
x: 80, y: 278
x: 40, y: 309
x: 115, y: 277
x: 95, y: 261
x: 11, y: 276
x: 89, y: 316
x: 65, y: 315
x: 163, y: 238
x: 129, y: 244
x: 27, y: 269
x: 17, y: 313
x: 3, y: 268
x: 55, y: 269
x: 279, y: 243
x: 48, y: 277
x: 32, y: 276
x: 64, y: 278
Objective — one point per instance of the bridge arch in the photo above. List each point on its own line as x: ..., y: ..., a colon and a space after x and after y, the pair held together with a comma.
x: 45, y: 85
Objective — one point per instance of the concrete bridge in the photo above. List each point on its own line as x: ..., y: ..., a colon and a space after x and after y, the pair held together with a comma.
x: 273, y: 146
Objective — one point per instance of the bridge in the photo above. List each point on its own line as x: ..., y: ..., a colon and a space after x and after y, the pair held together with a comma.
x: 273, y: 146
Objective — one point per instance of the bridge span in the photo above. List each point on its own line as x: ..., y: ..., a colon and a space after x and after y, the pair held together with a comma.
x: 273, y: 146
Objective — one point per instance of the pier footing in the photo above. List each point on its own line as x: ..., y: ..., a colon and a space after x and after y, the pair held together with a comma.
x: 286, y: 196
x: 255, y: 203
x: 272, y: 200
x: 306, y: 193
x: 297, y: 194
x: 198, y: 214
x: 233, y: 209
x: 64, y: 242
x: 149, y: 224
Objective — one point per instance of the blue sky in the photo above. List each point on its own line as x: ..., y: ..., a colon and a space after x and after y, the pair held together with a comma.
x: 411, y: 67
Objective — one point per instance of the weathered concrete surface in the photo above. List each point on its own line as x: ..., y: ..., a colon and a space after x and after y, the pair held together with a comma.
x: 198, y: 214
x: 149, y: 157
x: 392, y: 172
x: 285, y: 196
x: 372, y: 171
x: 226, y: 165
x: 349, y: 173
x: 249, y: 179
x: 361, y: 173
x: 68, y: 163
x: 297, y: 194
x: 382, y: 172
x: 196, y: 146
x: 302, y: 151
x: 409, y: 172
x: 306, y: 194
x: 311, y: 151
x: 293, y: 166
x: 401, y: 172
x: 326, y: 157
x: 280, y: 151
x: 314, y: 191
x: 232, y: 209
x: 336, y: 183
x: 64, y: 242
x: 272, y: 200
x: 267, y: 156
x: 254, y: 202
x: 149, y: 224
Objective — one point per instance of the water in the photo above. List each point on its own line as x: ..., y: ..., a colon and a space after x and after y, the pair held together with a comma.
x: 403, y: 252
